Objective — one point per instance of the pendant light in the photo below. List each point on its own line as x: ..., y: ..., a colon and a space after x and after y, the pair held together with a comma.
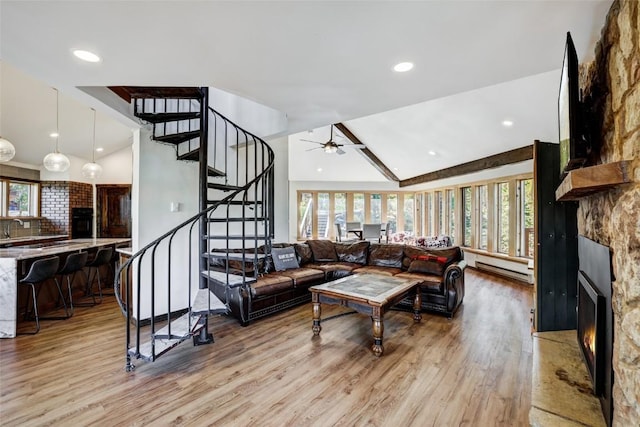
x: 56, y: 161
x: 7, y: 150
x: 92, y: 170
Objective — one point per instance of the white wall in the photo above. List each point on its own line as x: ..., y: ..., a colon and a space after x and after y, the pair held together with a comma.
x: 256, y: 118
x: 282, y: 195
x: 117, y: 168
x: 158, y: 180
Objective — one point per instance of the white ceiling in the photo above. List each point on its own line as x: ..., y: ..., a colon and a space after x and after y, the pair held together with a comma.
x: 476, y: 64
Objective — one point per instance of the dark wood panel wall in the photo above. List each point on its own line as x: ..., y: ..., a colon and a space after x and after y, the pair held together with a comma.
x: 556, y: 245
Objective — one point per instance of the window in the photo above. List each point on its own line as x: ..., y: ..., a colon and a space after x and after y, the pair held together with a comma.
x: 525, y: 218
x: 392, y: 212
x: 428, y: 221
x: 305, y: 215
x: 21, y: 198
x: 439, y: 213
x: 358, y: 207
x: 483, y: 216
x: 376, y: 208
x: 451, y: 214
x: 409, y: 209
x: 466, y: 216
x: 502, y: 205
x: 340, y: 211
x: 324, y: 224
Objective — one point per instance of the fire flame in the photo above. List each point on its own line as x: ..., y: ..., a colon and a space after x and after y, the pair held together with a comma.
x: 589, y: 340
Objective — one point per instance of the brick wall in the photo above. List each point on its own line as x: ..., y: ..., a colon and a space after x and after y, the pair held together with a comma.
x: 57, y: 200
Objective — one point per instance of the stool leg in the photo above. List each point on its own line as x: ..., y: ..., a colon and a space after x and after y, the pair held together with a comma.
x: 35, y: 310
x: 99, y: 284
x: 70, y: 278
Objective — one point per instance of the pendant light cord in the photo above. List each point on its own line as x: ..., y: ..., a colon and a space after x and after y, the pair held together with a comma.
x: 57, y: 118
x: 93, y: 151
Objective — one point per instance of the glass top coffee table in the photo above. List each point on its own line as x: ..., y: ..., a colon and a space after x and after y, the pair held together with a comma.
x: 370, y: 294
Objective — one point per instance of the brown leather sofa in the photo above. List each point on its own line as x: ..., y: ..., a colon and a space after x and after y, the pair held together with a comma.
x: 265, y: 291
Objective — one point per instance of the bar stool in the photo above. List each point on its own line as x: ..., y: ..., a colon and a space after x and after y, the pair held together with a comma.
x: 103, y: 257
x: 39, y: 272
x: 73, y: 264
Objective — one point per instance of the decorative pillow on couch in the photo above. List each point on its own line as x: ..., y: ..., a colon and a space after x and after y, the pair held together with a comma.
x: 305, y: 255
x: 284, y: 258
x: 323, y: 250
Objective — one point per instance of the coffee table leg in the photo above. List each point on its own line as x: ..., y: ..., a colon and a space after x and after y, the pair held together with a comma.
x: 316, y: 328
x: 417, y: 305
x: 378, y: 330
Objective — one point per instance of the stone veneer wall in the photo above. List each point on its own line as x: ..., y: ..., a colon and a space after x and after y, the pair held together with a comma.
x: 57, y: 200
x: 611, y: 87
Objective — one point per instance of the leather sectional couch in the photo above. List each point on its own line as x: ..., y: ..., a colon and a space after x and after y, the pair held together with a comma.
x: 260, y: 290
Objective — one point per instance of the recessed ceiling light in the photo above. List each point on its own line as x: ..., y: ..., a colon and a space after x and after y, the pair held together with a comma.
x: 99, y: 149
x: 395, y: 169
x: 54, y: 134
x: 319, y: 169
x: 403, y: 67
x: 507, y: 123
x: 85, y: 55
x: 432, y: 153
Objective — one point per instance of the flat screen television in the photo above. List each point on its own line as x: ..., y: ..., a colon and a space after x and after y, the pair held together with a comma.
x: 574, y: 147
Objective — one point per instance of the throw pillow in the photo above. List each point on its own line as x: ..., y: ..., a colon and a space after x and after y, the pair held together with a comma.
x: 352, y: 252
x: 284, y: 258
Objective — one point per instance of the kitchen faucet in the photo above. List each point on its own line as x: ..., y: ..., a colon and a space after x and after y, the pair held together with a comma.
x: 7, y: 229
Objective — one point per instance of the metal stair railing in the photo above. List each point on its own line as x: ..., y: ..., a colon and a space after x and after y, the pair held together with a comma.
x: 255, y: 184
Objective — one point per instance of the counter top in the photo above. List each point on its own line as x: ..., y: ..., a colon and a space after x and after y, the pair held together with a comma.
x: 125, y: 251
x: 54, y: 248
x: 34, y: 239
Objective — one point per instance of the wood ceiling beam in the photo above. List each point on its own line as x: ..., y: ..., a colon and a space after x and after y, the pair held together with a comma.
x: 506, y: 158
x: 368, y: 154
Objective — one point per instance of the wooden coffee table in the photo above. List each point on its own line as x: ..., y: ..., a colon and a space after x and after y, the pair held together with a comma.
x: 371, y: 294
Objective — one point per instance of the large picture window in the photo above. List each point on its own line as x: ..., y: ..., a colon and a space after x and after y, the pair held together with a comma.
x: 483, y: 216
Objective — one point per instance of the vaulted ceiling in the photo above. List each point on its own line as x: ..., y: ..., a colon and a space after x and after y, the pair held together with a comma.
x: 477, y: 63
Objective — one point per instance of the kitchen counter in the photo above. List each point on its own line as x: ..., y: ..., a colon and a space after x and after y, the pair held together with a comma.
x: 9, y: 259
x: 37, y: 250
x: 17, y: 241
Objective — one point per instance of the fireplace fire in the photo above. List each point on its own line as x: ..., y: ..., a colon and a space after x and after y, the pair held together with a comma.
x: 595, y: 319
x: 591, y: 328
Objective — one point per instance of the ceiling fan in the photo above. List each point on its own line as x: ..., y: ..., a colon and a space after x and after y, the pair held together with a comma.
x: 331, y: 146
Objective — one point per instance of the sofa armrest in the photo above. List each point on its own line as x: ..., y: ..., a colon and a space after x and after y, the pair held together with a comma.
x: 454, y: 284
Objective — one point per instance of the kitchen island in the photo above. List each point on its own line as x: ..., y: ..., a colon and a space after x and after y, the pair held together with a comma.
x: 14, y: 262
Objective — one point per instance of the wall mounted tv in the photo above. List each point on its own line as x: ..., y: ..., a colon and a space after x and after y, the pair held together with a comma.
x: 574, y: 146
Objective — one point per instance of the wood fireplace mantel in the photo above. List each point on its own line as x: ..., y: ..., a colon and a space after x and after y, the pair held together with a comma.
x: 586, y: 181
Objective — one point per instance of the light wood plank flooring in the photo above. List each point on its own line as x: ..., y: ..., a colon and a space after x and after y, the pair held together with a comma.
x: 472, y: 370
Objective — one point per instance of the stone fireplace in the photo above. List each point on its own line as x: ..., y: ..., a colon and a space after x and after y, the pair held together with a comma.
x: 610, y: 86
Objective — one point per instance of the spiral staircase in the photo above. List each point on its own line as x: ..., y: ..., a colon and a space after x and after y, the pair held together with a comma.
x: 166, y: 306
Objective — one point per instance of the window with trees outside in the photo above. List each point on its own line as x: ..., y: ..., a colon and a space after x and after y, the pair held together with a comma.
x: 467, y: 214
x: 483, y: 217
x: 502, y: 205
x: 20, y: 199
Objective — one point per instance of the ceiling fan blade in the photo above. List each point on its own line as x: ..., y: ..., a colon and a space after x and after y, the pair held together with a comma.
x: 357, y: 146
x: 311, y: 149
x: 341, y: 151
x: 315, y: 142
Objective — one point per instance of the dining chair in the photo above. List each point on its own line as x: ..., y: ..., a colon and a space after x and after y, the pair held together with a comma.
x: 354, y: 227
x: 371, y: 232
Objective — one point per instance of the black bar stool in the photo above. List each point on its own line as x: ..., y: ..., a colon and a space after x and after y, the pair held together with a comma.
x: 39, y: 272
x: 73, y: 264
x: 103, y: 257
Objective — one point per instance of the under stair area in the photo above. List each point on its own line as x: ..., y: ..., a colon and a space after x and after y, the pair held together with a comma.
x: 170, y: 287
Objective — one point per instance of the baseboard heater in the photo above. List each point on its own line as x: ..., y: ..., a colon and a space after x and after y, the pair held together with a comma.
x: 503, y: 271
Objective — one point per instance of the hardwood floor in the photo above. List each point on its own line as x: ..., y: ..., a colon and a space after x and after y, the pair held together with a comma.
x: 472, y: 370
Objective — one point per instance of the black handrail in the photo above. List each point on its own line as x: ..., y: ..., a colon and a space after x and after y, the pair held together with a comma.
x: 261, y: 178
